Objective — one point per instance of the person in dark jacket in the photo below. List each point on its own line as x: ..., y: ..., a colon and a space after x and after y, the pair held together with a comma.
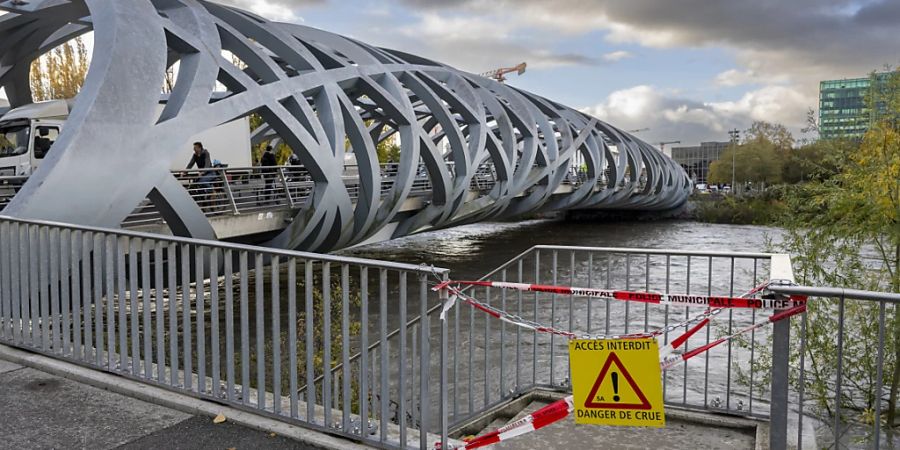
x: 268, y: 160
x: 202, y: 188
x: 200, y: 158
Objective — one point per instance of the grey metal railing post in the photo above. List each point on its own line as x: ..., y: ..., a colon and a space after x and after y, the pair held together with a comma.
x: 781, y: 335
x: 780, y: 273
x: 443, y: 374
x: 287, y: 187
x: 228, y: 192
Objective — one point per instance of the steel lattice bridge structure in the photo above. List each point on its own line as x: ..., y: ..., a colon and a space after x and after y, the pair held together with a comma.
x: 472, y: 149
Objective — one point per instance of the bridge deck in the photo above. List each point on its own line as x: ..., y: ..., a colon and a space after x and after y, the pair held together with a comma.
x: 249, y: 201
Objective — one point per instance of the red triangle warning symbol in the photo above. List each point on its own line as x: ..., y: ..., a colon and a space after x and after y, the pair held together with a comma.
x: 613, y: 359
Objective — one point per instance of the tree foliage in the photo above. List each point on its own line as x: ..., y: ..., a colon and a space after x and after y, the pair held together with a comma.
x: 388, y: 152
x: 760, y: 158
x: 386, y: 148
x: 816, y: 160
x: 60, y: 73
x: 843, y: 230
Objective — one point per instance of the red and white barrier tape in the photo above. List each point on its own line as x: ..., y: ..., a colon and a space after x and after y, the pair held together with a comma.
x: 711, y: 301
x: 666, y: 351
x: 456, y: 295
x: 547, y: 415
x: 512, y: 319
x: 673, y: 360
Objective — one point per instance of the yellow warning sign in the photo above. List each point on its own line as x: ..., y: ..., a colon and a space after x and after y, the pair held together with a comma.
x: 617, y: 382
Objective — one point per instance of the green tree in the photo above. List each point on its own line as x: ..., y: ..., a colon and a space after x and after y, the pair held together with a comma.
x: 759, y: 159
x: 846, y: 210
x: 817, y: 160
x: 388, y: 152
x: 60, y: 73
x: 883, y: 98
x: 771, y: 133
x: 870, y: 199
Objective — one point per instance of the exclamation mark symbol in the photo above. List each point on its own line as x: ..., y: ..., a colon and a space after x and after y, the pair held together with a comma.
x: 615, y: 380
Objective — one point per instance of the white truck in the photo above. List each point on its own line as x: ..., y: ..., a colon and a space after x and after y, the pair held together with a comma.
x: 27, y: 134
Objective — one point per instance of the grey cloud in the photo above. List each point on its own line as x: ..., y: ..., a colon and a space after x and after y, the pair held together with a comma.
x: 473, y: 43
x: 884, y: 14
x: 672, y: 117
x: 792, y: 43
x: 479, y: 55
x: 822, y: 32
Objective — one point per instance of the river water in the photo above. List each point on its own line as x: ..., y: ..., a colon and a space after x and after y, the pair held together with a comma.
x: 473, y: 250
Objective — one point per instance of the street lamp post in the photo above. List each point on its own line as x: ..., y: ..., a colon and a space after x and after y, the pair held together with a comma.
x: 735, y: 134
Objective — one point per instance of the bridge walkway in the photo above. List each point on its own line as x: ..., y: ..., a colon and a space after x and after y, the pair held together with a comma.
x: 249, y: 201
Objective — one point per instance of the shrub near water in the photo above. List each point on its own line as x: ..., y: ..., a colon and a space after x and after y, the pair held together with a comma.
x: 759, y: 210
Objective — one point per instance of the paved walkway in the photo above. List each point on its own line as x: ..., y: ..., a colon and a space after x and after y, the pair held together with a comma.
x: 43, y: 411
x: 678, y: 433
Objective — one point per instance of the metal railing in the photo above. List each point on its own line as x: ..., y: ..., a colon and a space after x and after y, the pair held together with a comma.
x: 248, y: 190
x: 831, y: 395
x: 759, y: 376
x: 241, y: 325
x: 492, y: 362
x: 9, y: 187
x: 236, y: 191
x: 355, y: 347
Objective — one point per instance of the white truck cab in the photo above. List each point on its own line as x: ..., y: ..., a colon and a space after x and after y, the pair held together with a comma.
x: 27, y: 134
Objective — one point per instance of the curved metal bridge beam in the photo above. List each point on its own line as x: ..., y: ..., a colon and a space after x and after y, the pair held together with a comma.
x: 325, y: 96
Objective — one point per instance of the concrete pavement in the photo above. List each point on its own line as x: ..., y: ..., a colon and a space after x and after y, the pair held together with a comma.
x: 56, y: 405
x: 43, y: 411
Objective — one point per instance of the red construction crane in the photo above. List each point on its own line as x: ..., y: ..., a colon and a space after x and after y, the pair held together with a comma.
x: 499, y: 74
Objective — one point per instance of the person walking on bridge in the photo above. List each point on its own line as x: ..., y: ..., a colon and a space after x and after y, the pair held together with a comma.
x: 202, y: 187
x: 200, y: 158
x: 268, y: 160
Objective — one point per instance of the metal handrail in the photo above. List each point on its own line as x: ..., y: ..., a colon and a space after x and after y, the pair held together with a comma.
x: 518, y: 257
x: 412, y: 322
x: 837, y: 292
x: 233, y: 246
x: 656, y: 251
x: 233, y: 184
x: 164, y: 280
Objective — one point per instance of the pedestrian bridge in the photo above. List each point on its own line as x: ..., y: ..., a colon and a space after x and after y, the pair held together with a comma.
x: 471, y: 148
x: 253, y: 204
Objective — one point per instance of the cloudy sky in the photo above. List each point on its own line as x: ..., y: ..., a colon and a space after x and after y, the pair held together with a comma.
x: 687, y: 69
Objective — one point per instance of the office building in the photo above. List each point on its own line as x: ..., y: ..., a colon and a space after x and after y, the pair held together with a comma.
x: 843, y: 112
x: 695, y: 160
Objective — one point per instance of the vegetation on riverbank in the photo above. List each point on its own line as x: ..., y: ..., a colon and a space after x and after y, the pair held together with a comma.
x: 842, y: 227
x: 743, y: 210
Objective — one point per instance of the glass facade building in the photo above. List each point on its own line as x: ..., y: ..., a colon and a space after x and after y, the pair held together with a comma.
x: 842, y: 107
x: 695, y: 160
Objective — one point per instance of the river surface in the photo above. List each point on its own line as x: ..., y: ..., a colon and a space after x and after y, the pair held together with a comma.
x: 473, y: 250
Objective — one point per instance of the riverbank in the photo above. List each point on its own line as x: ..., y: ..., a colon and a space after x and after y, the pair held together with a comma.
x: 736, y: 210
